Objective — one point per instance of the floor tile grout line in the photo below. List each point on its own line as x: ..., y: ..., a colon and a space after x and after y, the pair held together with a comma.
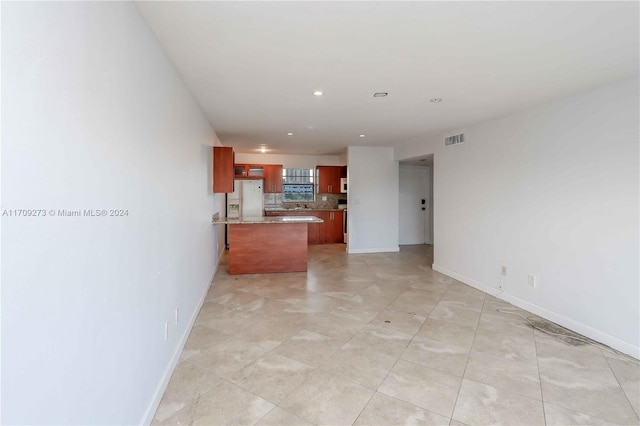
x: 406, y: 286
x: 535, y: 344
x: 573, y: 374
x: 467, y: 363
x: 364, y: 407
x: 621, y: 388
x: 408, y: 344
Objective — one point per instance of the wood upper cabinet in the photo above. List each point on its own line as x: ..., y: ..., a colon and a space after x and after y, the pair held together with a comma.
x: 223, y: 159
x: 328, y: 178
x: 248, y: 171
x: 272, y: 178
x: 271, y: 173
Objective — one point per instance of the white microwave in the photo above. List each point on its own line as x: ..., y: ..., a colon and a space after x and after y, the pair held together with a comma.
x: 343, y: 185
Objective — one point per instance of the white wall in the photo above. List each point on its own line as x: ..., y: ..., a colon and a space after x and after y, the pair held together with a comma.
x: 373, y: 200
x: 552, y: 191
x: 95, y: 117
x: 290, y: 161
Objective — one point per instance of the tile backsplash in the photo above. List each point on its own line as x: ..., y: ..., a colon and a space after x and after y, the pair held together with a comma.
x: 274, y: 201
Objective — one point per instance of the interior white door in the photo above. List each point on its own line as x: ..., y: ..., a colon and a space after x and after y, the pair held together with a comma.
x: 413, y: 210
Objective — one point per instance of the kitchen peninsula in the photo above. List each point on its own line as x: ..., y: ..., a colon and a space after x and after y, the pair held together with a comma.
x: 267, y: 243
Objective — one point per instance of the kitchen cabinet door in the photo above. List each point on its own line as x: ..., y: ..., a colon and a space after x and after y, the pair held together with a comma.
x: 328, y: 179
x: 331, y: 230
x: 272, y: 178
x: 313, y: 232
x: 223, y: 158
x: 313, y: 229
x: 322, y: 227
x: 253, y: 171
x: 333, y: 227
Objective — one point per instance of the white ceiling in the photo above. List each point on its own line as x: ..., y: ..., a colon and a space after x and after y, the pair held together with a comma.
x: 252, y: 66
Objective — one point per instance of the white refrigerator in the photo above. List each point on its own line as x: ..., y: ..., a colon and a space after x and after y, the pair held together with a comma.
x: 247, y: 200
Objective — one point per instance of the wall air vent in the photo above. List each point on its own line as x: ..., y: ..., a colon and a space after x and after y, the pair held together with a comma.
x: 454, y: 139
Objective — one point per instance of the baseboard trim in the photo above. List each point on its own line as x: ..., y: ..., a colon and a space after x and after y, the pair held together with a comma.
x: 473, y: 283
x: 162, y: 386
x: 374, y: 250
x: 578, y: 327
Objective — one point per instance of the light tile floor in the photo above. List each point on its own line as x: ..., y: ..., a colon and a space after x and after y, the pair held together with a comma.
x: 382, y: 339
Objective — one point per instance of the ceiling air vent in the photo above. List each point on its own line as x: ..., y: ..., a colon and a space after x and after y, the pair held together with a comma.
x: 454, y: 139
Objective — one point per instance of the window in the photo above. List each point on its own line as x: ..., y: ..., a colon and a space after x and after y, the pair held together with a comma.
x: 297, y: 185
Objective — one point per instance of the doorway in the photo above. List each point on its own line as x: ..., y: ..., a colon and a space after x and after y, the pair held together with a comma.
x: 416, y: 206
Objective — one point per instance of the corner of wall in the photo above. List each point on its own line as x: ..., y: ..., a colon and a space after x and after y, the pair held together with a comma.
x: 555, y: 317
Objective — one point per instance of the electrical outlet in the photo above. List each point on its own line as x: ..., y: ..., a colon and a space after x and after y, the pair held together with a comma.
x: 166, y: 331
x: 177, y: 313
x: 532, y: 280
x: 324, y: 198
x: 503, y: 270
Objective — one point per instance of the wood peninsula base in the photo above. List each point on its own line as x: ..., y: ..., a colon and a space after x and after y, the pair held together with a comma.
x: 268, y: 244
x: 258, y: 249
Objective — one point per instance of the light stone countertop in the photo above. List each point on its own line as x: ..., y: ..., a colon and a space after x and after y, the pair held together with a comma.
x: 310, y: 209
x: 267, y: 220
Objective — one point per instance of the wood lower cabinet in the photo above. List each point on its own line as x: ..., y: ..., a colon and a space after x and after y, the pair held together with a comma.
x: 313, y: 232
x: 337, y: 230
x: 329, y: 232
x: 223, y: 159
x: 332, y: 227
x: 272, y: 178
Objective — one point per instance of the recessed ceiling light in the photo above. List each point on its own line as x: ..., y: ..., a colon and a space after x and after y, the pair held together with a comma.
x: 318, y: 93
x: 263, y: 150
x: 436, y: 100
x: 362, y: 136
x: 380, y: 94
x: 289, y: 134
